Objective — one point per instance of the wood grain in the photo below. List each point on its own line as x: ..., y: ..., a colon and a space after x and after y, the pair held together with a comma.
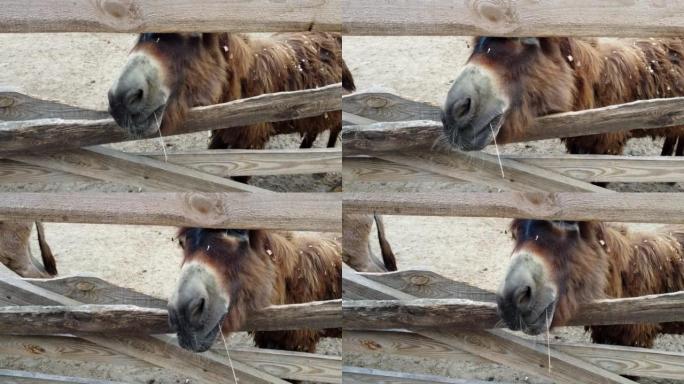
x: 284, y: 364
x: 147, y: 348
x: 10, y: 376
x: 512, y: 18
x: 169, y: 16
x: 293, y: 211
x: 387, y: 106
x: 131, y: 319
x: 621, y: 360
x: 45, y: 135
x: 13, y: 172
x: 495, y: 345
x: 468, y: 314
x: 94, y: 290
x: 16, y: 106
x: 629, y: 207
x: 377, y: 376
x: 111, y: 165
x: 419, y: 133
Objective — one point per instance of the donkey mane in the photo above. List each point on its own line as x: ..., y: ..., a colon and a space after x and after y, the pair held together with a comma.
x: 281, y: 268
x: 609, y: 261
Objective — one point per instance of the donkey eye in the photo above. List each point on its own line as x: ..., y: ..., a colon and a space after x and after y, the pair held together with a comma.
x: 533, y: 41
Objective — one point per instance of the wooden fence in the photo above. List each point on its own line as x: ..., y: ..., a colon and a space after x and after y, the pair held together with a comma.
x: 83, y: 318
x: 420, y: 314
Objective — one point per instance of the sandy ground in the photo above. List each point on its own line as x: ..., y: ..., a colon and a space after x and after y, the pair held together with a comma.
x: 78, y: 69
x: 473, y: 250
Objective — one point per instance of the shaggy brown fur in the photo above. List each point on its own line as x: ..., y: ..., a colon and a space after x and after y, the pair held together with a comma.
x: 569, y: 74
x: 278, y: 268
x: 218, y: 67
x: 609, y: 261
x: 15, y: 252
x: 357, y: 253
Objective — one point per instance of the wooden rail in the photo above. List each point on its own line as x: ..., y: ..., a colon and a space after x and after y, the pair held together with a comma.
x: 296, y: 211
x: 629, y: 207
x: 467, y: 314
x: 169, y: 16
x: 45, y: 135
x: 512, y: 18
x: 130, y: 319
x: 391, y: 134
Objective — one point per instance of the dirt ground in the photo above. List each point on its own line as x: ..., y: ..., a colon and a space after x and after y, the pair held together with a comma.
x: 77, y: 69
x: 473, y: 250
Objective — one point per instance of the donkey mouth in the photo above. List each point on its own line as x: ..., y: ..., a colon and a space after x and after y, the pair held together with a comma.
x: 139, y: 125
x: 481, y: 134
x: 542, y: 323
x: 198, y: 341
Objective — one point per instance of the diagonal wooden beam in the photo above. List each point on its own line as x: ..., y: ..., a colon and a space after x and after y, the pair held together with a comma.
x: 111, y: 165
x: 499, y: 346
x: 147, y: 348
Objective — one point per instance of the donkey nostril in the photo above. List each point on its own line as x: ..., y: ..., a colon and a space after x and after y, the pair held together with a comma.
x: 523, y: 296
x: 461, y: 107
x: 135, y: 97
x: 197, y: 309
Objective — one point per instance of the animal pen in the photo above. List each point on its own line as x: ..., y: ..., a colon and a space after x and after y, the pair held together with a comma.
x: 82, y: 318
x: 388, y: 138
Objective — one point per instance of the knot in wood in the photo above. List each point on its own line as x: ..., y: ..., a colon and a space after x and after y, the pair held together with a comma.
x: 6, y: 102
x: 120, y: 14
x: 420, y: 280
x: 84, y: 286
x: 498, y: 14
x: 376, y: 102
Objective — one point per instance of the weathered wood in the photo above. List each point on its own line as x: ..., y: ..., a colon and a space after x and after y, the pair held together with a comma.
x: 284, y: 364
x: 417, y: 134
x: 131, y: 319
x: 629, y: 207
x: 236, y: 162
x: 16, y: 106
x: 496, y: 345
x: 293, y: 211
x: 94, y: 290
x: 147, y: 348
x: 13, y: 376
x: 486, y: 169
x: 468, y: 314
x: 515, y: 18
x: 13, y: 172
x: 386, y: 106
x: 428, y: 284
x: 606, y: 168
x: 370, y: 170
x: 621, y: 360
x: 376, y: 376
x: 169, y: 16
x: 45, y: 135
x: 110, y: 165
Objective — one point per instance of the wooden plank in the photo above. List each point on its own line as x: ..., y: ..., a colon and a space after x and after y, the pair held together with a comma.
x: 293, y: 211
x: 284, y: 364
x: 490, y: 171
x: 236, y: 162
x: 13, y: 376
x: 630, y: 207
x: 377, y: 376
x: 496, y: 345
x: 621, y: 360
x: 527, y: 18
x: 428, y: 284
x: 16, y: 106
x: 606, y: 168
x: 94, y: 290
x: 469, y: 314
x: 169, y: 16
x: 110, y: 165
x: 13, y: 172
x: 45, y: 135
x: 371, y: 169
x: 157, y: 352
x: 415, y: 134
x: 131, y: 319
x: 386, y: 106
